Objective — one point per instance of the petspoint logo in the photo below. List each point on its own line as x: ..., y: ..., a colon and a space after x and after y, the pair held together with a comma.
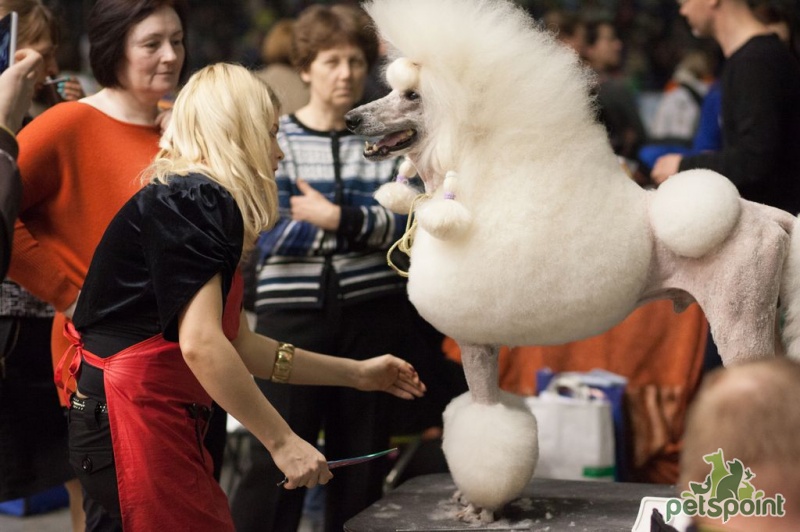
x: 727, y: 491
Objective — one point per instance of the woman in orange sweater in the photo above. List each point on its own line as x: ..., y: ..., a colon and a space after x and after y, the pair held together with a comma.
x: 80, y: 161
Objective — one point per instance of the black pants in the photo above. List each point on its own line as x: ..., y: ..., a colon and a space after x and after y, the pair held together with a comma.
x: 92, y: 457
x: 353, y: 422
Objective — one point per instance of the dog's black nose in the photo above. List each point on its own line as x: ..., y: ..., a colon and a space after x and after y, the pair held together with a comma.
x: 352, y: 121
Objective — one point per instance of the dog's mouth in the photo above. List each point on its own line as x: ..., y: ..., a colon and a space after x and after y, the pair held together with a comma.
x: 390, y: 144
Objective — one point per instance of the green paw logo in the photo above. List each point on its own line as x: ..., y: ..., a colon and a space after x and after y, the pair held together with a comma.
x: 727, y: 490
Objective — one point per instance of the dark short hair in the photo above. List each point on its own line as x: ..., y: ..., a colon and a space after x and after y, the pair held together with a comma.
x: 321, y: 27
x: 108, y: 27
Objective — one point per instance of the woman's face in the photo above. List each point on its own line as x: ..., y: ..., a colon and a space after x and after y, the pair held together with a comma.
x: 606, y: 52
x: 154, y: 55
x: 277, y: 153
x: 336, y: 77
x: 45, y: 46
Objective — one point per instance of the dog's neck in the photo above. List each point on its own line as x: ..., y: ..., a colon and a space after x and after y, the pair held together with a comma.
x: 423, y: 173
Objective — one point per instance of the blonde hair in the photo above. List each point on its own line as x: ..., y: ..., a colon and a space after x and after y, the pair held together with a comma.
x: 220, y: 127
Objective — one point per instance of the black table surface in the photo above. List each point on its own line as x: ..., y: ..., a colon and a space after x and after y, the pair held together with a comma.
x: 425, y: 503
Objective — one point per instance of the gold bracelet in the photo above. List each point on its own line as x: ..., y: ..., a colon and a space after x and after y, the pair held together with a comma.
x: 283, y: 363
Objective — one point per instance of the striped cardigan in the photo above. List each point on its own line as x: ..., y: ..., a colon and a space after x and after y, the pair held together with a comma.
x: 295, y: 256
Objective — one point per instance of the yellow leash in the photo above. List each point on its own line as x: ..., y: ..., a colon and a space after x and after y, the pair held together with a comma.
x: 407, y: 240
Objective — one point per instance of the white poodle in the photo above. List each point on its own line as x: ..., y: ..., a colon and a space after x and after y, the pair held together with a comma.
x: 531, y: 232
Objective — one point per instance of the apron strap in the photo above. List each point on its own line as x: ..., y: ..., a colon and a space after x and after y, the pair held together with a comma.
x: 70, y: 359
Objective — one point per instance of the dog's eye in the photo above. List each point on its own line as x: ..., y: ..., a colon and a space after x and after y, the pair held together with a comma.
x: 411, y: 95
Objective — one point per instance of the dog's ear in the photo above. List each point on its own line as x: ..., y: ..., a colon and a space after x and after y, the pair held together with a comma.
x: 396, y: 196
x: 447, y: 218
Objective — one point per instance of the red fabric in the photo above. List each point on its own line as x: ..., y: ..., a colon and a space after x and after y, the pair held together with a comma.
x: 164, y: 473
x: 68, y: 365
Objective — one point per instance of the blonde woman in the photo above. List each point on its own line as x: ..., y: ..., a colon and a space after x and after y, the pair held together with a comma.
x: 159, y: 321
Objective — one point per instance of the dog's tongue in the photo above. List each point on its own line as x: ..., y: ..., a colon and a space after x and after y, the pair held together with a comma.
x: 394, y: 138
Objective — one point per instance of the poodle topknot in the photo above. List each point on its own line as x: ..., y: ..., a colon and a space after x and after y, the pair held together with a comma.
x: 402, y: 75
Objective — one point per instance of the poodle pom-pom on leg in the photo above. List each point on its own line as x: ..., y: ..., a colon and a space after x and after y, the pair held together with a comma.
x: 445, y: 218
x: 491, y: 450
x: 398, y: 196
x: 490, y: 438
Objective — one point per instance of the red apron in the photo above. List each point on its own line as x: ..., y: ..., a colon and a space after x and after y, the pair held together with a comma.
x: 155, y: 404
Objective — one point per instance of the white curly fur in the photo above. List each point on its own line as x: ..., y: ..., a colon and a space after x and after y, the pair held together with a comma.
x: 560, y: 242
x: 483, y: 99
x: 497, y: 57
x: 397, y: 197
x: 444, y: 219
x: 402, y: 74
x: 492, y: 433
x: 694, y: 211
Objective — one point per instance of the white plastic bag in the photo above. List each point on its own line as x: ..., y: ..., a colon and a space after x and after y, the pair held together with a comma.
x: 576, y: 432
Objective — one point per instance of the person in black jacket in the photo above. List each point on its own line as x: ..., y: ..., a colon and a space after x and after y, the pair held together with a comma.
x: 760, y: 122
x: 16, y: 91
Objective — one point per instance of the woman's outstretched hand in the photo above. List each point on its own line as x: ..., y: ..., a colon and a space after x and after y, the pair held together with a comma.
x: 390, y: 374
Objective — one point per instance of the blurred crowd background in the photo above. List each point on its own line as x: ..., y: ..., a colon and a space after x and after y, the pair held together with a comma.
x: 653, y: 34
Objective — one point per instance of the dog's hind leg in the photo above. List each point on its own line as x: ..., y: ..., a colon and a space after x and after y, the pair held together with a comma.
x: 490, y: 438
x: 743, y: 314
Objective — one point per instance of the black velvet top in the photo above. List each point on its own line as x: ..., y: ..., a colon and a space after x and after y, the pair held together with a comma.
x: 164, y: 244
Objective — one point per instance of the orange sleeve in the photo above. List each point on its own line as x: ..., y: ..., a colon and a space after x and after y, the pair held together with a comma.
x: 36, y: 270
x: 40, y: 144
x: 41, y: 169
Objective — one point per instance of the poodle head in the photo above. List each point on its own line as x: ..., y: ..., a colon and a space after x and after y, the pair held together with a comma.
x: 477, y: 86
x: 396, y: 119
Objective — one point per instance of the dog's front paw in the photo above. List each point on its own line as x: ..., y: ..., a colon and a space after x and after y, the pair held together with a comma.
x: 459, y: 498
x: 473, y: 514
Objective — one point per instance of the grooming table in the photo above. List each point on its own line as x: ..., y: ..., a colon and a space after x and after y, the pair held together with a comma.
x: 424, y: 504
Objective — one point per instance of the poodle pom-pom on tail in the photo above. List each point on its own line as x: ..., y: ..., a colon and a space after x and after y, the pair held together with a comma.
x: 694, y: 211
